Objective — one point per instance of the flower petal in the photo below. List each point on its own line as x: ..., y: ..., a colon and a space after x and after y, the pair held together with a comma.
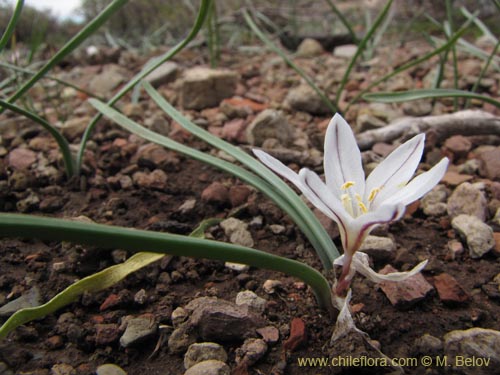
x: 395, y: 170
x: 360, y: 264
x: 342, y: 160
x: 421, y: 184
x: 277, y: 166
x: 345, y: 324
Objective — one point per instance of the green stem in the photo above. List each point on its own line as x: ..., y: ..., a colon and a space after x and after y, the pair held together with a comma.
x: 343, y: 20
x: 12, y: 24
x: 134, y: 240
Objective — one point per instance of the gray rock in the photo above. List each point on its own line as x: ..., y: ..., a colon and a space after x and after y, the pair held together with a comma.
x: 75, y: 127
x: 379, y: 248
x: 178, y: 316
x: 238, y: 267
x: 21, y: 158
x: 417, y: 108
x: 220, y: 320
x: 269, y: 124
x: 346, y: 51
x: 304, y: 98
x: 62, y: 369
x: 210, y: 367
x: 30, y: 299
x: 252, y: 300
x: 478, y: 235
x: 309, y: 48
x: 480, y: 345
x: 469, y: 200
x: 428, y: 345
x: 251, y: 351
x: 110, y: 369
x: 367, y: 121
x: 237, y: 232
x: 29, y: 203
x: 434, y: 202
x: 204, y: 351
x: 108, y: 80
x: 181, y: 338
x: 203, y: 87
x: 138, y: 329
x: 165, y: 73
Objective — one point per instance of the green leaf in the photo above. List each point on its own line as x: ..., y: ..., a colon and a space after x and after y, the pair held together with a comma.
x: 12, y: 24
x: 403, y: 96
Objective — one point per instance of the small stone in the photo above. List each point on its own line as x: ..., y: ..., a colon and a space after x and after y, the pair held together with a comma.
x: 453, y: 178
x: 62, y: 369
x: 187, y: 206
x: 153, y: 156
x: 477, y: 344
x: 297, y: 336
x: 21, y: 158
x: 346, y: 51
x: 110, y: 369
x: 434, y: 202
x: 469, y: 200
x: 216, y: 193
x: 238, y: 267
x: 379, y: 248
x: 428, y: 345
x: 157, y: 179
x: 29, y: 203
x: 458, y: 145
x: 490, y: 164
x: 239, y: 194
x: 105, y: 82
x: 179, y: 315
x: 417, y: 108
x: 51, y: 204
x: 478, y: 235
x: 235, y: 131
x: 270, y: 123
x: 203, y: 87
x: 53, y: 343
x: 180, y: 339
x: 251, y: 351
x: 455, y: 249
x: 309, y: 48
x: 106, y: 334
x: 140, y: 297
x: 210, y: 367
x: 269, y: 334
x: 367, y: 121
x: 30, y: 299
x: 407, y: 292
x: 163, y: 74
x: 138, y: 329
x: 449, y: 289
x: 237, y: 232
x: 203, y: 351
x: 304, y: 98
x: 270, y: 286
x: 277, y: 228
x: 252, y: 300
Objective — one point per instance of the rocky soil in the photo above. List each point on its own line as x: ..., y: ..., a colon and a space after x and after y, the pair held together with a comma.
x: 189, y: 316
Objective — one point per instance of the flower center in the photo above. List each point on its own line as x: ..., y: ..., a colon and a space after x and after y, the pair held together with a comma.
x: 352, y: 201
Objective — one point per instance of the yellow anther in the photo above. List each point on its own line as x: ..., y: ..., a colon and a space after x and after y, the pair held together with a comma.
x: 346, y: 202
x: 362, y: 207
x: 373, y: 194
x: 347, y: 185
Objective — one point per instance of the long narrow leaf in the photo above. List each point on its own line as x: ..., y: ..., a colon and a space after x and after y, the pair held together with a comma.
x: 312, y: 229
x: 12, y: 24
x: 361, y: 46
x: 69, y: 162
x: 70, y: 46
x: 403, y: 96
x: 290, y: 63
x: 134, y: 240
x: 200, y: 19
x: 484, y: 29
x: 343, y: 20
x: 318, y: 236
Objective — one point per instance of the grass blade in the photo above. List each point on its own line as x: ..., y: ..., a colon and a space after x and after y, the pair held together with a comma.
x: 343, y: 20
x: 69, y: 47
x: 12, y: 24
x: 311, y: 228
x: 290, y: 63
x: 105, y: 236
x: 69, y: 162
x: 403, y: 96
x: 200, y: 19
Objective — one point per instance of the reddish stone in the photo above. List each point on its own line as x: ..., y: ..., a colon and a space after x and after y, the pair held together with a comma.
x: 234, y: 130
x: 449, y: 289
x: 452, y: 178
x: 112, y: 300
x: 239, y: 194
x: 457, y: 146
x: 216, y: 193
x: 242, y: 102
x: 269, y: 334
x: 54, y: 342
x: 407, y: 292
x: 496, y: 248
x: 106, y: 333
x: 21, y: 158
x: 297, y: 336
x: 490, y: 164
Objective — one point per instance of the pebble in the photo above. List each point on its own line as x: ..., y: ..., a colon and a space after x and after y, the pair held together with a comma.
x: 449, y: 290
x: 455, y: 249
x: 156, y: 179
x: 297, y: 336
x: 180, y: 339
x: 468, y: 199
x: 30, y: 299
x: 417, y: 108
x: 138, y: 329
x: 178, y: 316
x: 476, y: 344
x: 434, y: 202
x: 303, y: 98
x: 490, y: 164
x: 29, y: 203
x: 203, y: 87
x: 270, y: 286
x: 237, y: 231
x: 270, y: 123
x: 163, y: 74
x: 252, y: 300
x: 235, y: 131
x: 407, y: 292
x: 75, y: 127
x: 453, y: 178
x: 428, y: 345
x: 105, y: 82
x: 458, y: 146
x: 478, y: 235
x: 210, y: 367
x: 62, y: 369
x: 204, y: 351
x: 309, y: 48
x: 379, y: 248
x: 277, y: 228
x: 110, y: 369
x: 346, y: 51
x: 269, y: 334
x: 238, y: 267
x: 239, y: 194
x: 106, y: 333
x: 21, y: 158
x: 251, y: 351
x: 216, y: 193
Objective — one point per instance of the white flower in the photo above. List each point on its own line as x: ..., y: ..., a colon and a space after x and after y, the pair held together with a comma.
x: 356, y: 205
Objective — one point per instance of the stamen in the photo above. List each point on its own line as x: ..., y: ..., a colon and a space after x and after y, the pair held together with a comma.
x: 373, y: 193
x: 347, y: 203
x: 347, y: 185
x: 361, y: 205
